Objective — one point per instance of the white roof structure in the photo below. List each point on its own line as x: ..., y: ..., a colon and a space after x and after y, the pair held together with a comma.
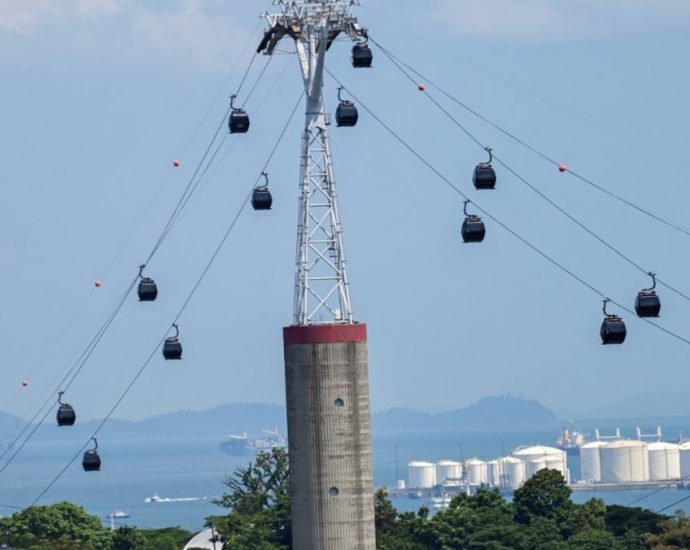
x: 203, y: 540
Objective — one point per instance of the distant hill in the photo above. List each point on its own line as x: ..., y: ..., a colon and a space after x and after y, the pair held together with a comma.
x: 666, y: 404
x: 487, y: 413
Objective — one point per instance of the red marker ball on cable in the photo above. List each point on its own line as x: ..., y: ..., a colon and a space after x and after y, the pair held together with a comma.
x: 176, y: 163
x: 562, y: 167
x: 25, y: 383
x: 421, y: 87
x: 97, y: 283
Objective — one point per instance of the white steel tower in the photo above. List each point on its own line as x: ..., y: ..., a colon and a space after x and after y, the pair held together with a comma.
x: 322, y: 292
x: 326, y: 362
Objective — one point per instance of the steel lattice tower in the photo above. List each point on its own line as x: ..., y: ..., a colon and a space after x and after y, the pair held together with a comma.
x: 326, y: 363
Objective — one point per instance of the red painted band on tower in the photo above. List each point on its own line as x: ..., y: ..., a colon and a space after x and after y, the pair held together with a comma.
x: 324, y: 334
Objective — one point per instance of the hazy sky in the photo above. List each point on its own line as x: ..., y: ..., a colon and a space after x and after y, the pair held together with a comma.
x: 98, y: 97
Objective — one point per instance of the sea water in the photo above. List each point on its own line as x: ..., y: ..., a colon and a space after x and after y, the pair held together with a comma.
x: 177, y: 469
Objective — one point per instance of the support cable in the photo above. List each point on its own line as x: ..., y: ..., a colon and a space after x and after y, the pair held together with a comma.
x: 136, y: 225
x: 522, y: 239
x: 69, y: 377
x: 672, y: 504
x: 184, y: 199
x: 74, y: 371
x: 398, y: 62
x: 182, y: 309
x: 532, y: 187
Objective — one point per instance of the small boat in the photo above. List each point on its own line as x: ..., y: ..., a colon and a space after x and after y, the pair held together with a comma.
x: 118, y: 514
x: 157, y: 498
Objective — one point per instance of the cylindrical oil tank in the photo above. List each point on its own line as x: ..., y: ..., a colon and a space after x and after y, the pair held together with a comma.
x: 555, y: 462
x: 534, y: 465
x: 624, y: 461
x: 557, y: 458
x: 421, y: 475
x: 475, y: 471
x: 664, y: 461
x: 513, y: 472
x: 684, y: 449
x: 448, y: 469
x: 493, y: 473
x: 590, y: 461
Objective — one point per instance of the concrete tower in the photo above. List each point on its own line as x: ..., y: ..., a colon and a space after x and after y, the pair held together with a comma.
x: 326, y: 367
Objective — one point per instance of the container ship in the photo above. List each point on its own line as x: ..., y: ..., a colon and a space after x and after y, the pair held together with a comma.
x: 240, y: 445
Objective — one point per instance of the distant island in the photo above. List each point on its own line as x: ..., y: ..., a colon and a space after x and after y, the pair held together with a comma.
x: 237, y: 418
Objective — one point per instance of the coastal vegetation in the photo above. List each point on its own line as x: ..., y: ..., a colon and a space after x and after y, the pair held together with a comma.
x: 541, y: 516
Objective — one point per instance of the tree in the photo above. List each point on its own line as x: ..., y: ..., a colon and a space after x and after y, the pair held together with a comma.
x: 59, y: 526
x: 545, y: 494
x: 673, y: 533
x: 259, y: 504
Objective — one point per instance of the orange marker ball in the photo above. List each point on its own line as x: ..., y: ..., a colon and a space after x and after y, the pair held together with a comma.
x: 421, y: 87
x: 176, y: 163
x: 562, y: 167
x: 25, y: 383
x: 97, y: 283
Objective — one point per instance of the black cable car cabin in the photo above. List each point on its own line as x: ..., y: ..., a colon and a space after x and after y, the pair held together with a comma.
x: 484, y: 176
x: 65, y: 413
x: 473, y: 229
x: 147, y: 291
x: 172, y: 348
x: 647, y: 304
x: 346, y: 114
x: 612, y: 328
x: 362, y: 57
x: 261, y: 198
x: 91, y: 462
x: 239, y: 121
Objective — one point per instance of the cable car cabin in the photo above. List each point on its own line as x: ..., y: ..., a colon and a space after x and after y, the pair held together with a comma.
x: 613, y: 330
x: 91, y: 461
x: 647, y: 304
x: 484, y: 177
x: 473, y: 229
x: 362, y: 58
x: 66, y: 415
x: 261, y: 198
x: 239, y: 121
x: 172, y: 348
x: 147, y: 290
x: 346, y: 114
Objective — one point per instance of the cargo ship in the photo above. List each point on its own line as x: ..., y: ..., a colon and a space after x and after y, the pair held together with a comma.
x: 240, y: 445
x: 570, y: 441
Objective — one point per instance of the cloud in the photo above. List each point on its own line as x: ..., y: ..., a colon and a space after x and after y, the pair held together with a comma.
x: 205, y: 32
x: 546, y: 20
x: 24, y: 16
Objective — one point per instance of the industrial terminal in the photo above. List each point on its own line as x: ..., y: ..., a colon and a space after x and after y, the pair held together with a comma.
x: 606, y: 463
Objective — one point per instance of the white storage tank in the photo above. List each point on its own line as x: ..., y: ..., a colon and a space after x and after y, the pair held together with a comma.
x: 684, y: 449
x: 448, y: 469
x: 664, y: 461
x: 590, y: 461
x: 475, y: 471
x: 493, y: 473
x: 534, y: 465
x: 421, y: 475
x: 557, y: 459
x: 624, y: 461
x: 513, y: 472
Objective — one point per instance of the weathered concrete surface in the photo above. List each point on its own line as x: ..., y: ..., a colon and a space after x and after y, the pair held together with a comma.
x: 329, y: 434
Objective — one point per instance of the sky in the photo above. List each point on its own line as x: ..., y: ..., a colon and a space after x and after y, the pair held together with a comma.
x: 98, y: 97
